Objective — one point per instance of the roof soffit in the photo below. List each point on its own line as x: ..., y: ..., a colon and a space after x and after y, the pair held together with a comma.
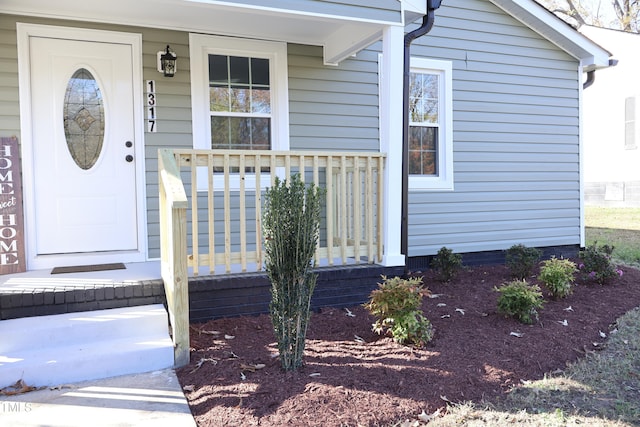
x: 341, y: 36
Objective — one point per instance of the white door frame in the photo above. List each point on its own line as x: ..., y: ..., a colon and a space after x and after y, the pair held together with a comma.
x: 24, y: 32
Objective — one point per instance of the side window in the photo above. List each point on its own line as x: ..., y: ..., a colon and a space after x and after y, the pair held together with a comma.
x: 430, y: 125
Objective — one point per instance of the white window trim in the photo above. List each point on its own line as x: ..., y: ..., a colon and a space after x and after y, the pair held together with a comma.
x: 200, y: 46
x: 444, y: 180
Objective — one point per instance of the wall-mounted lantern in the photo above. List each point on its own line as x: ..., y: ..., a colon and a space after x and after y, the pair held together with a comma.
x: 167, y: 62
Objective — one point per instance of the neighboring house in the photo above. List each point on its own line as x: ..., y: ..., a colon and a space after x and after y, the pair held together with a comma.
x: 611, y: 136
x: 495, y: 149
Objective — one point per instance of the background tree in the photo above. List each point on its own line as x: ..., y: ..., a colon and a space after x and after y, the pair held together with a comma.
x: 617, y: 14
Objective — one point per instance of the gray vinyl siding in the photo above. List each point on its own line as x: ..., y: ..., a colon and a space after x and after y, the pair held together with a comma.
x: 173, y: 116
x: 516, y: 137
x: 9, y: 95
x: 374, y: 10
x: 333, y: 108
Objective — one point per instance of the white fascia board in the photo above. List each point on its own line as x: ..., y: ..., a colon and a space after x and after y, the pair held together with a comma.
x: 532, y: 14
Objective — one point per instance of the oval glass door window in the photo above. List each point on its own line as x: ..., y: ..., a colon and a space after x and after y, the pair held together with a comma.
x: 84, y: 119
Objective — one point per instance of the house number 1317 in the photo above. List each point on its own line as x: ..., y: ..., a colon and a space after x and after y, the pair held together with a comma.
x: 151, y: 106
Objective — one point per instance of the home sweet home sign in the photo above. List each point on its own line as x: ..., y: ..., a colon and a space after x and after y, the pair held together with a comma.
x: 12, y: 258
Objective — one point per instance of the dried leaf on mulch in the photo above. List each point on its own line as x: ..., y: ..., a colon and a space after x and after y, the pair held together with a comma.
x: 19, y: 387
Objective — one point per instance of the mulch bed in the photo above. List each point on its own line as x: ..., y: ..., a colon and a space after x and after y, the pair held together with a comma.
x: 354, y: 377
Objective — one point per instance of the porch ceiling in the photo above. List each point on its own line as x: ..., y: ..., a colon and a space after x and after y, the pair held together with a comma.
x: 341, y: 36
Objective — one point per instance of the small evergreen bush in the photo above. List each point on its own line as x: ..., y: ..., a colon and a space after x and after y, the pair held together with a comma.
x: 557, y: 275
x: 291, y: 223
x: 596, y: 264
x: 396, y: 304
x: 521, y: 260
x: 446, y: 264
x: 520, y: 300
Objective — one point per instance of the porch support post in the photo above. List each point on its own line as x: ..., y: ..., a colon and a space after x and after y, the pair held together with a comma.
x: 391, y: 70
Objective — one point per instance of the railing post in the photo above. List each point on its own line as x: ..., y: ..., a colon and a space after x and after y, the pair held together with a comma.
x: 173, y: 252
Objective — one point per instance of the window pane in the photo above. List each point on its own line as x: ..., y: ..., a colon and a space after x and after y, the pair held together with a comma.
x: 260, y: 72
x: 245, y: 133
x: 219, y: 98
x: 219, y: 132
x: 423, y: 97
x: 261, y: 102
x: 240, y: 100
x: 261, y: 134
x: 218, y: 70
x: 239, y: 70
x: 423, y: 150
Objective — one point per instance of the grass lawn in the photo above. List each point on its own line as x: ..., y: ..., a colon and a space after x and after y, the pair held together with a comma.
x: 603, y: 389
x: 619, y: 227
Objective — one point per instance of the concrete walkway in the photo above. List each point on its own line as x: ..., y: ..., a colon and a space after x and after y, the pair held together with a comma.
x: 150, y: 399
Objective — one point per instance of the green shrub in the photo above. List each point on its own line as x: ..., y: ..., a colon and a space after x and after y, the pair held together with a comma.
x: 291, y: 222
x: 557, y: 275
x: 520, y: 300
x: 521, y: 260
x: 596, y: 264
x: 446, y: 264
x: 396, y: 304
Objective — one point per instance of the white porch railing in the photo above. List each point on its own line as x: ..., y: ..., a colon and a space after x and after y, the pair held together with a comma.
x: 211, y: 213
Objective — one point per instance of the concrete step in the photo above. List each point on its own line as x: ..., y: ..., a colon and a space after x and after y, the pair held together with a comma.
x: 59, y: 349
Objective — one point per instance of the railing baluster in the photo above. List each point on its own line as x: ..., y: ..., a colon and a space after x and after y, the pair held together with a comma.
x: 272, y: 168
x: 301, y: 167
x: 331, y: 220
x: 210, y: 215
x: 369, y: 212
x: 195, y: 246
x: 258, y: 201
x: 227, y: 216
x: 243, y: 217
x: 380, y: 205
x: 343, y: 209
x: 316, y: 182
x: 357, y: 220
x: 287, y: 168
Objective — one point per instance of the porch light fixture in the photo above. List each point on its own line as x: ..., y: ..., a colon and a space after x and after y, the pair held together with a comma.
x: 167, y: 62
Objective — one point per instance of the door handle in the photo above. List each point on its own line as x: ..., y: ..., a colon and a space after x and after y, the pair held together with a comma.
x: 129, y: 158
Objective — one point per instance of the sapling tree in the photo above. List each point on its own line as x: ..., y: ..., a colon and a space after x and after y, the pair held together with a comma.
x: 291, y: 223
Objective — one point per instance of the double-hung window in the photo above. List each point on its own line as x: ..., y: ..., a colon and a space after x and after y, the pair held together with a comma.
x: 239, y: 102
x: 430, y: 125
x: 239, y: 94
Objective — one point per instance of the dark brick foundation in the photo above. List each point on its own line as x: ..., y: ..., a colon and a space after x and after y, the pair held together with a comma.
x: 494, y: 257
x: 70, y: 299
x: 249, y: 294
x: 209, y: 296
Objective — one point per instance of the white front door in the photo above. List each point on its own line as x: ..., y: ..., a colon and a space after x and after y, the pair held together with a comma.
x: 83, y: 152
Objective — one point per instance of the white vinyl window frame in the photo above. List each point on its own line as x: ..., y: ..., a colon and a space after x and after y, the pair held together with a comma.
x: 200, y: 47
x: 443, y: 180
